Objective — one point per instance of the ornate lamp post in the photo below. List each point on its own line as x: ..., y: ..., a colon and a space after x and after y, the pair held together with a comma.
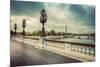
x: 23, y: 25
x: 43, y: 19
x: 15, y: 28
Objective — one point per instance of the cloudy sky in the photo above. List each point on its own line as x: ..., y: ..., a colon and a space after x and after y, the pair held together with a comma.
x: 77, y: 18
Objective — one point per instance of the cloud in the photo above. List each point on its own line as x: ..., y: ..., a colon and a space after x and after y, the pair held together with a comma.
x: 84, y: 13
x: 62, y: 17
x: 32, y: 23
x: 78, y: 18
x: 25, y: 8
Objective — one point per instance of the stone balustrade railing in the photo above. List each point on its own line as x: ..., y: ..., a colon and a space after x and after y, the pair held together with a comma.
x: 88, y: 49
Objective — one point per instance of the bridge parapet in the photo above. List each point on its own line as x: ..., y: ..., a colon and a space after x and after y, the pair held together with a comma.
x: 88, y: 49
x: 80, y: 51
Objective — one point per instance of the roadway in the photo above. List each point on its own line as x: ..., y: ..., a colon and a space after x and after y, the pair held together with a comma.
x: 24, y: 54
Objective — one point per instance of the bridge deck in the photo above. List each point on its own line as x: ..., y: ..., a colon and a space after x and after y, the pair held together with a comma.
x: 25, y: 54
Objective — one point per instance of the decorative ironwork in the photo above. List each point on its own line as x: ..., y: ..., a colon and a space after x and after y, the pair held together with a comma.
x: 43, y: 19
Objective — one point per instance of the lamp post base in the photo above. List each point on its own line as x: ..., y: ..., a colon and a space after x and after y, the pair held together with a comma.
x: 42, y: 42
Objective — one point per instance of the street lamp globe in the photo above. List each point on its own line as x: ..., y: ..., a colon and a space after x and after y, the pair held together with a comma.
x: 43, y: 17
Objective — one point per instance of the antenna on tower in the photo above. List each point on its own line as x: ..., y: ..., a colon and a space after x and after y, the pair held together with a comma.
x: 66, y: 29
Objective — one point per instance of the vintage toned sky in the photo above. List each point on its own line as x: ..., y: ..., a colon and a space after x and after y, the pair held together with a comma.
x: 78, y: 18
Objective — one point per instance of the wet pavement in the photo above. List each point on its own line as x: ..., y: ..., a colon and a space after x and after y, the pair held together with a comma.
x: 24, y: 54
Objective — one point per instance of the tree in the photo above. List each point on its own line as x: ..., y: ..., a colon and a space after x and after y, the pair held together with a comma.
x: 36, y: 33
x: 52, y: 32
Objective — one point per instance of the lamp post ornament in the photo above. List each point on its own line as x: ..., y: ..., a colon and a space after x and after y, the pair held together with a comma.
x: 24, y: 25
x: 43, y: 19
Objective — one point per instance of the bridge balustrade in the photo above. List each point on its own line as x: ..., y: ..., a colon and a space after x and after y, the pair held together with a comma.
x: 88, y: 49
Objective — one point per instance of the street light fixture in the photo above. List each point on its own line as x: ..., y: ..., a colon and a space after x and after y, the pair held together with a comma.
x: 15, y: 28
x: 24, y: 25
x: 43, y: 19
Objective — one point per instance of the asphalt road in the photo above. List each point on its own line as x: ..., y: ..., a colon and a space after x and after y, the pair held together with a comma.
x: 24, y: 54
